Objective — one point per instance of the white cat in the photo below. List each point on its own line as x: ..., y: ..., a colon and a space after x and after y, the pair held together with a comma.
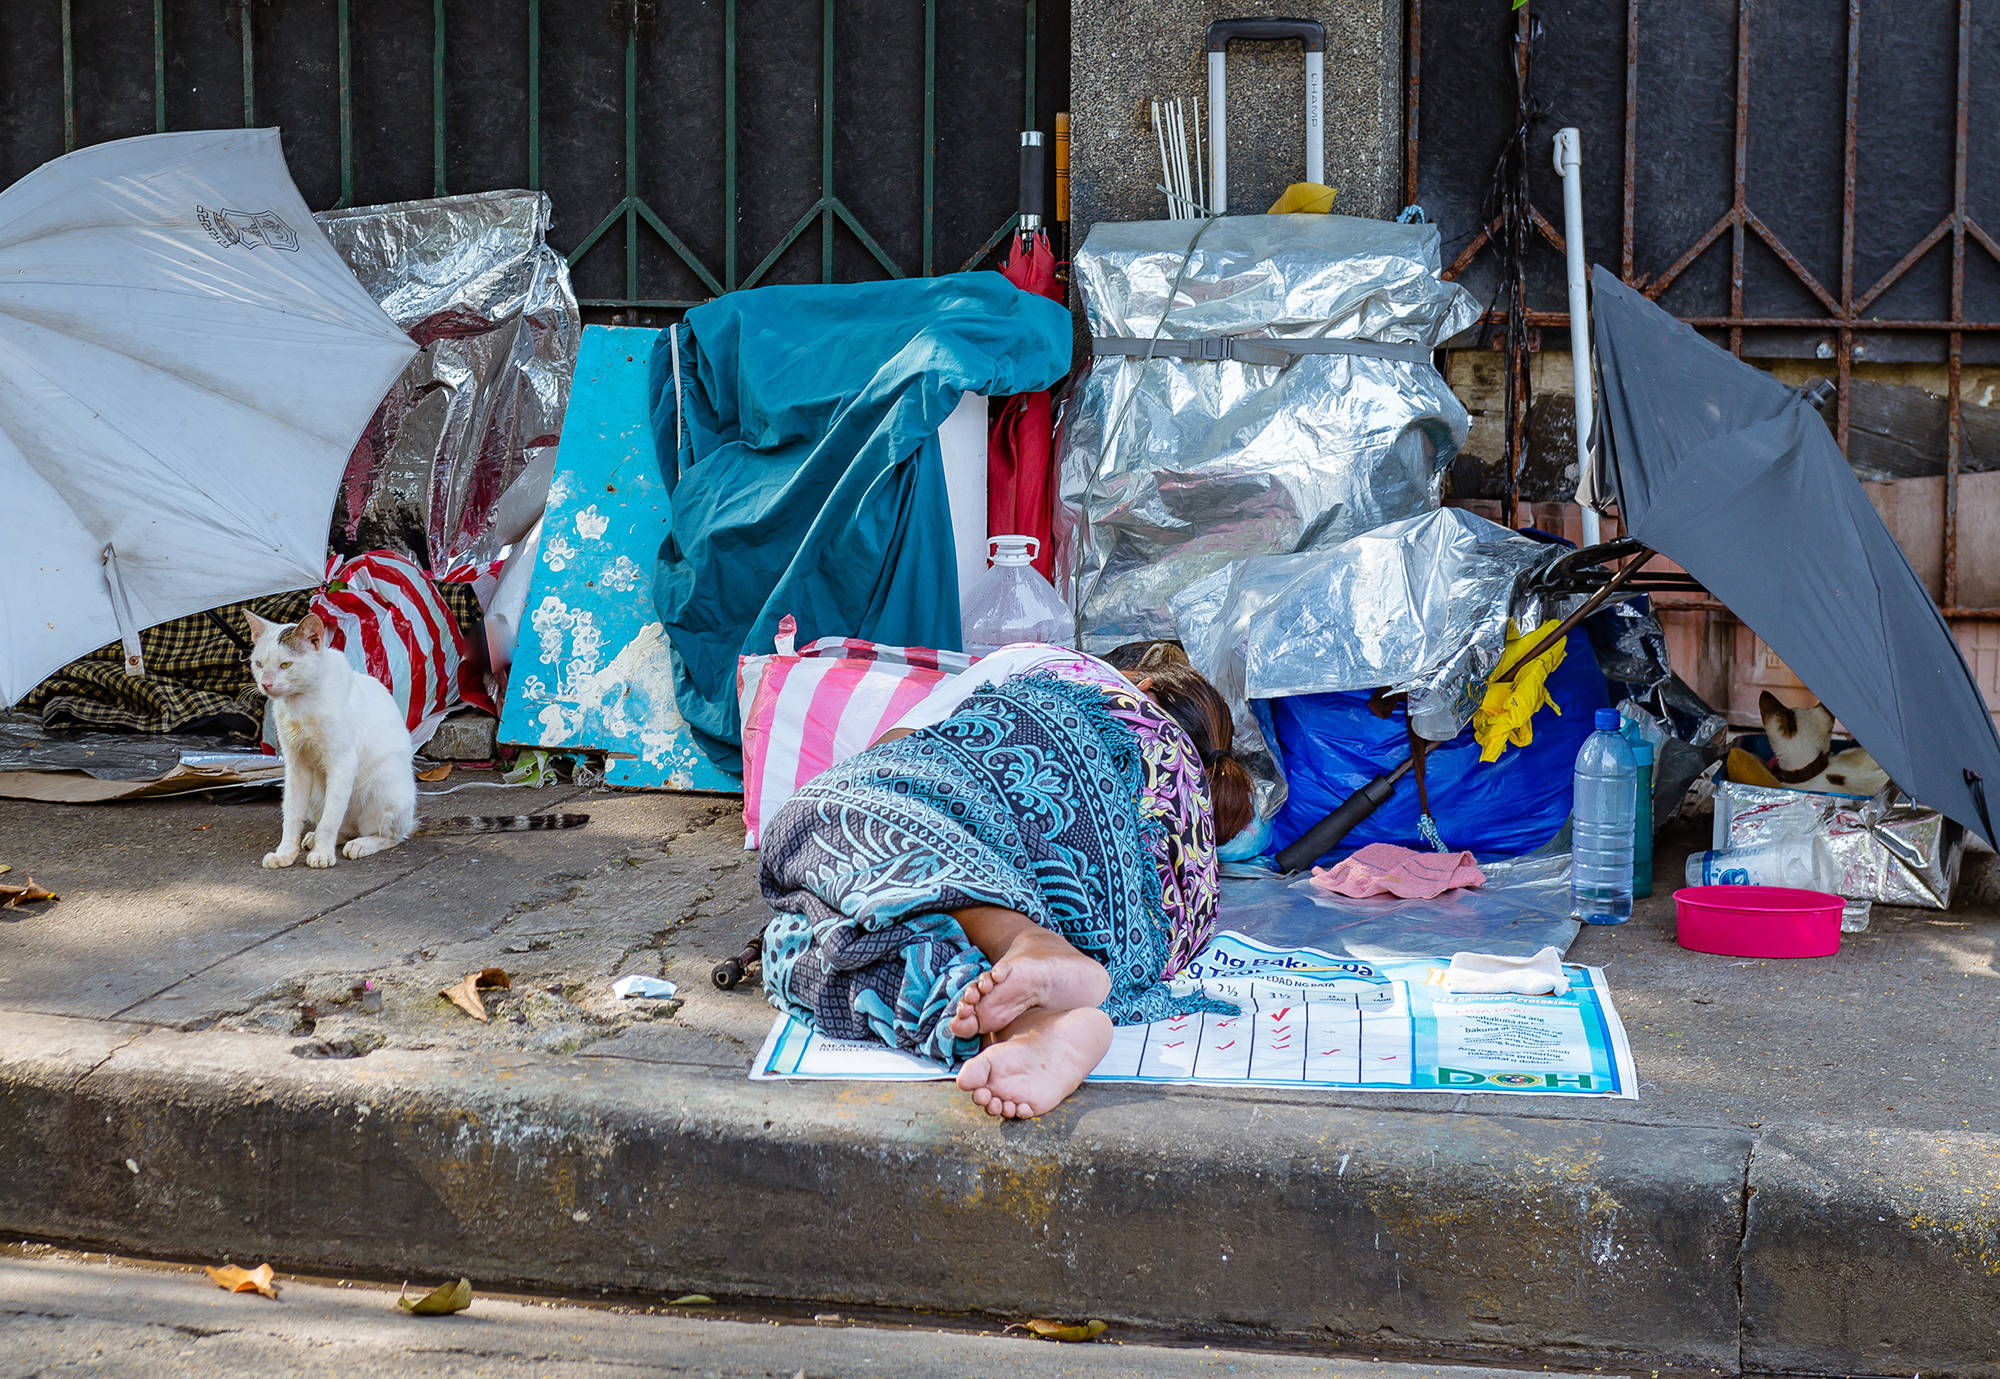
x: 347, y: 751
x: 1801, y: 740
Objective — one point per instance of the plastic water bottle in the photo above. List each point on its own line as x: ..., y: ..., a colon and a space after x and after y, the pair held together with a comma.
x: 1011, y: 602
x: 1605, y: 813
x: 1642, y: 829
x: 1788, y: 862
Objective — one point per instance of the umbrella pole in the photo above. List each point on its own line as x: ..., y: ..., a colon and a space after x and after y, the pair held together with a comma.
x: 1569, y: 166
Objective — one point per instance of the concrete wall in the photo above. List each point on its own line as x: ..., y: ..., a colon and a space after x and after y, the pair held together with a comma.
x: 1125, y: 52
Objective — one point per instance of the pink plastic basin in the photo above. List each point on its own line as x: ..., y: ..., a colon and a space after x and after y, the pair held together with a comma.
x: 1758, y: 921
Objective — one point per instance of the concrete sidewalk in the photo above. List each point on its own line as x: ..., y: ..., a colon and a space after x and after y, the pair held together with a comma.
x: 1810, y: 1182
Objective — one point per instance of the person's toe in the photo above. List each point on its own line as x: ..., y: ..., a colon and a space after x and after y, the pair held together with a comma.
x: 974, y: 1075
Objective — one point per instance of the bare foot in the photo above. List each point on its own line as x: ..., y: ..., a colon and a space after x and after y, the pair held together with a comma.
x: 1042, y: 1058
x: 1039, y: 971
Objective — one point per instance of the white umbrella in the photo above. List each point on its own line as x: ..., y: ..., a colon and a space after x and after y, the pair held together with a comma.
x: 185, y: 366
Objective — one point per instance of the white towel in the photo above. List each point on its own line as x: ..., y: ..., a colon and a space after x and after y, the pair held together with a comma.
x: 1490, y: 974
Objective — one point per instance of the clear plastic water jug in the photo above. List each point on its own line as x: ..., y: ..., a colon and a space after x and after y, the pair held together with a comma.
x: 1606, y: 806
x: 1012, y: 602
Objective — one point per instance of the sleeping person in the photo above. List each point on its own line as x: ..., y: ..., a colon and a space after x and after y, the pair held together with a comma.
x: 1021, y: 864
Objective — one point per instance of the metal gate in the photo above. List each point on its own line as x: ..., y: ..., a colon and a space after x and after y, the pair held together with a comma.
x: 1839, y: 222
x: 691, y: 147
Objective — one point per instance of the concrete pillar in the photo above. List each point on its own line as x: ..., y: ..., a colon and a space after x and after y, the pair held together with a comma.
x: 1125, y: 52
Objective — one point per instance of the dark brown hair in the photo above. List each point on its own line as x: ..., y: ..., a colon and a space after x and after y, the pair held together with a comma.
x: 1185, y: 695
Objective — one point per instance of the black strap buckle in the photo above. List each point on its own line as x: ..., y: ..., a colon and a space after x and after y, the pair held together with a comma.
x: 1214, y: 347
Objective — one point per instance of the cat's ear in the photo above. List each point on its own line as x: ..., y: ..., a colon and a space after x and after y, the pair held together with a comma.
x: 1777, y: 718
x: 312, y: 632
x: 258, y: 626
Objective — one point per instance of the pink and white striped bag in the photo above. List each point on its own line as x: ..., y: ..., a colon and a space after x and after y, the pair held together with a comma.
x: 804, y: 711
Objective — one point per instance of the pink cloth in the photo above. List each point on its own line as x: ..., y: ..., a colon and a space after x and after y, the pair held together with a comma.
x: 1385, y: 869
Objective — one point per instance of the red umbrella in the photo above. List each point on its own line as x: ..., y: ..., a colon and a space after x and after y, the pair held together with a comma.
x: 1019, y: 448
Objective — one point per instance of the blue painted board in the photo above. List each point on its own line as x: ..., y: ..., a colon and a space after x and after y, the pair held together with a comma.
x: 592, y: 669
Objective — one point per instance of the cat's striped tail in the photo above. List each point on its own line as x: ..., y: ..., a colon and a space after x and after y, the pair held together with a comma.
x: 500, y: 823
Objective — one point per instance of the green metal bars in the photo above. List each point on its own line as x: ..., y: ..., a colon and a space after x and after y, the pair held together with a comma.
x: 631, y: 215
x: 827, y: 209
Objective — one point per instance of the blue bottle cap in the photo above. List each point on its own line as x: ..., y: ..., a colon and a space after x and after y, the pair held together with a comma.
x: 1608, y: 721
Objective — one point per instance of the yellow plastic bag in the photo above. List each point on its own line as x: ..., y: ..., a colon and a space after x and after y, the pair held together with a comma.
x: 1309, y: 197
x: 1506, y: 715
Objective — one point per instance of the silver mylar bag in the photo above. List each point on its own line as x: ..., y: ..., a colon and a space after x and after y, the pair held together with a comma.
x: 1418, y: 606
x: 477, y: 412
x: 1171, y: 468
x: 1886, y: 849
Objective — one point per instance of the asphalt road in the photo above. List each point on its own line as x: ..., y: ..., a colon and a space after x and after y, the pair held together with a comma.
x: 64, y: 1314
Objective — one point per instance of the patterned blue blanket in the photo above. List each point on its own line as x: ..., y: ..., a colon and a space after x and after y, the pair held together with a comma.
x: 1026, y: 799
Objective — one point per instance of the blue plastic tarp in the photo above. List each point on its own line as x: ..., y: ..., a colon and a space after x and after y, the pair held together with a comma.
x: 1330, y: 745
x: 801, y: 453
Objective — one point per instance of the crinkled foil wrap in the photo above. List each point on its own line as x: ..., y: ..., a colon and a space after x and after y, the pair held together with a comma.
x: 1887, y: 849
x: 475, y: 283
x: 1172, y: 468
x: 1418, y: 606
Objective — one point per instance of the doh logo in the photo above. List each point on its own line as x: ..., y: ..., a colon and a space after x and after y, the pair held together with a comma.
x: 1565, y: 1082
x: 247, y: 229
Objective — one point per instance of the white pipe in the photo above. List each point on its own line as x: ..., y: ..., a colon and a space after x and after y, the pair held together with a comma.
x: 1218, y: 133
x: 1569, y: 166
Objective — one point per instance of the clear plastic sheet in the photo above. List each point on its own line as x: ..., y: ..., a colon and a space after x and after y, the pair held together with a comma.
x: 477, y: 412
x: 1886, y: 850
x: 1632, y: 649
x: 1522, y: 908
x: 1172, y: 468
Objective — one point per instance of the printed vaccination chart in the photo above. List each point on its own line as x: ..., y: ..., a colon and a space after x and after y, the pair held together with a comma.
x: 1309, y: 1019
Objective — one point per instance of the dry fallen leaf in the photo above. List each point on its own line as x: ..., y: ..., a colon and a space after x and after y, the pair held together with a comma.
x: 465, y: 995
x: 203, y: 828
x: 1064, y: 1331
x: 441, y: 1301
x: 438, y: 772
x: 693, y: 1300
x: 14, y: 893
x: 257, y: 1280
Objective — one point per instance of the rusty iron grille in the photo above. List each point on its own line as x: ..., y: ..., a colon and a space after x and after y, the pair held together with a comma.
x: 1842, y: 311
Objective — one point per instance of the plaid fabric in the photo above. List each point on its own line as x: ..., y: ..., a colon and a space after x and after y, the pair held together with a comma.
x: 197, y: 677
x: 197, y: 672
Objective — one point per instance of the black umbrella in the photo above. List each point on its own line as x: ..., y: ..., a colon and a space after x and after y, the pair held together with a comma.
x: 1732, y: 474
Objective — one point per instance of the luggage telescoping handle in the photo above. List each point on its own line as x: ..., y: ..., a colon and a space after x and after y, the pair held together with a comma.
x: 1221, y: 34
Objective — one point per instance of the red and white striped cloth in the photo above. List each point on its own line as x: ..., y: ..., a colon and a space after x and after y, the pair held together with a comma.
x: 383, y: 612
x: 803, y: 711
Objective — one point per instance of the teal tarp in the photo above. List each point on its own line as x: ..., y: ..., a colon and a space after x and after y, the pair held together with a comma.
x: 802, y: 460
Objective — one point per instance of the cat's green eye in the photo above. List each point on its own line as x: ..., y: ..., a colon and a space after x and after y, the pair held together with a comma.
x: 284, y: 665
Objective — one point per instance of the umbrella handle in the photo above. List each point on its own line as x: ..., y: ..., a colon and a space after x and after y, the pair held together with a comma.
x: 1034, y: 166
